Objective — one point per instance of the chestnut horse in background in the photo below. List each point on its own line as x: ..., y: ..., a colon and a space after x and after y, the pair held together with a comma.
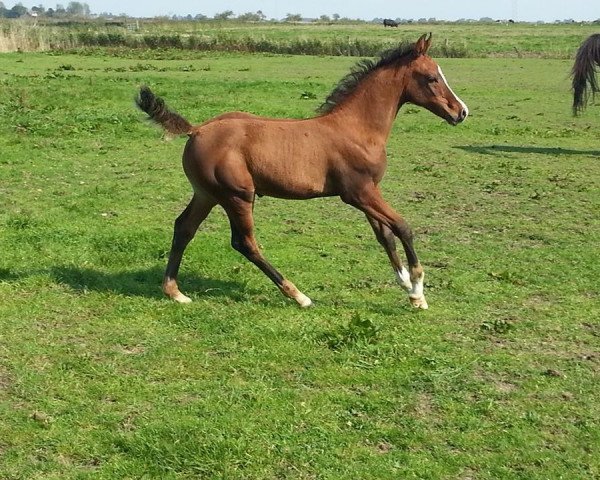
x: 584, y: 72
x: 235, y: 156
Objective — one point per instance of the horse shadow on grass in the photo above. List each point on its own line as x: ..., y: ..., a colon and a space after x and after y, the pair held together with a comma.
x: 142, y: 283
x: 6, y: 275
x: 499, y: 149
x: 147, y: 283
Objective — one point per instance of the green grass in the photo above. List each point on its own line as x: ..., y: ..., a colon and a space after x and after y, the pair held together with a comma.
x: 101, y: 377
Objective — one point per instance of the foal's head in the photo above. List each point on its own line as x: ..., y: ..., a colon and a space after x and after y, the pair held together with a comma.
x: 427, y: 86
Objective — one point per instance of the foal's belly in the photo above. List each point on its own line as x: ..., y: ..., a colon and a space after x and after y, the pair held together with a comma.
x: 291, y: 181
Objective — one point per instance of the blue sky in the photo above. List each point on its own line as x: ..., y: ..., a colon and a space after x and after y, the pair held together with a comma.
x: 524, y: 10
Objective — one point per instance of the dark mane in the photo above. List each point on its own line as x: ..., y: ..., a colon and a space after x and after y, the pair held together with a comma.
x: 584, y: 72
x: 362, y: 69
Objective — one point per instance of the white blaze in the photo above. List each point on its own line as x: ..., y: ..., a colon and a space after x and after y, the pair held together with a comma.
x: 452, y: 92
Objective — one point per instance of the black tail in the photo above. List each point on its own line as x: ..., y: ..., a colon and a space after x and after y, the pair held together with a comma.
x: 584, y: 72
x: 158, y: 112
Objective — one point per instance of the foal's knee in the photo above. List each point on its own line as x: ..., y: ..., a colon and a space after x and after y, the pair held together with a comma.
x: 386, y: 238
x: 243, y: 245
x: 403, y: 230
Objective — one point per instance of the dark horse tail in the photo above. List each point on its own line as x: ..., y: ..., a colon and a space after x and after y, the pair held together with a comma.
x: 584, y: 72
x: 158, y: 112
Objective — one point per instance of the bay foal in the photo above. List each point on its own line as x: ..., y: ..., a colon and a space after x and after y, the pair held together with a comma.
x: 341, y: 152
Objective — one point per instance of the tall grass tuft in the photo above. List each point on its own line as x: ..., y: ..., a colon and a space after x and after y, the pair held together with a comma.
x: 30, y: 36
x: 21, y: 36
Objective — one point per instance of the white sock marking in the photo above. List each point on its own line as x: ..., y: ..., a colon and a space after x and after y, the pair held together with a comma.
x: 403, y: 278
x: 417, y: 288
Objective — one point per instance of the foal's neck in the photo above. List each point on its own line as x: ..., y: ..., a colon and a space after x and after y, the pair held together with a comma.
x: 375, y: 103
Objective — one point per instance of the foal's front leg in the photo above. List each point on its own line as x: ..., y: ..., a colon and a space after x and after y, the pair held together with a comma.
x: 387, y: 240
x: 385, y: 222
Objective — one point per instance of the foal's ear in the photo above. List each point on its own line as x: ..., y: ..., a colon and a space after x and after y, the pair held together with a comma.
x: 422, y: 44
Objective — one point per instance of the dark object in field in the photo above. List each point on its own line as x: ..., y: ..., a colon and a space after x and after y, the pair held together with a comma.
x: 341, y: 152
x: 388, y: 22
x: 583, y: 72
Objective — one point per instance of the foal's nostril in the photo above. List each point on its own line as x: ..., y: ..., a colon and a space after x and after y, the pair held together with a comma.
x: 460, y: 116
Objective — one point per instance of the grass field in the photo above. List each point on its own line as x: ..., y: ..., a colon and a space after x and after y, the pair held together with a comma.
x: 101, y: 377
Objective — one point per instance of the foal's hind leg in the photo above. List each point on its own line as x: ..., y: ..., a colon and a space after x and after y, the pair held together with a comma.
x: 239, y: 212
x: 186, y: 226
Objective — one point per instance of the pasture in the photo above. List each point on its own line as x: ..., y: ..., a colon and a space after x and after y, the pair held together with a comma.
x: 102, y: 377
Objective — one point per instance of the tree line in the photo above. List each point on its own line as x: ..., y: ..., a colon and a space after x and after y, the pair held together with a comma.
x: 79, y: 9
x: 73, y: 9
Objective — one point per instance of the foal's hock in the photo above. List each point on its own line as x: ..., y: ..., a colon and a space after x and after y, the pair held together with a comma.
x: 341, y: 152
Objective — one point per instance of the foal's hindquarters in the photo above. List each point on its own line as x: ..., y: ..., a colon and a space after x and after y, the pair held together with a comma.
x: 221, y: 176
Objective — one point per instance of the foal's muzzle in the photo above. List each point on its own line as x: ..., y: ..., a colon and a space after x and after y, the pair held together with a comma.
x: 456, y: 119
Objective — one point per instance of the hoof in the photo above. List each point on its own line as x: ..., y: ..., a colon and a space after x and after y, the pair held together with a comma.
x: 181, y: 298
x: 304, y: 301
x: 419, y: 302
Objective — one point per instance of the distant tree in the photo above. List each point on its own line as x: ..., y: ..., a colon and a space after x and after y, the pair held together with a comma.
x: 336, y: 17
x: 325, y: 18
x: 50, y: 12
x: 78, y: 9
x: 59, y: 11
x: 200, y: 16
x: 252, y: 17
x: 486, y: 19
x: 17, y: 11
x: 226, y: 15
x: 40, y: 10
x: 246, y: 17
x: 293, y: 17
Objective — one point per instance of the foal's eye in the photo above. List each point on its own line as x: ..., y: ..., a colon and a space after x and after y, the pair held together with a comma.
x: 432, y: 79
